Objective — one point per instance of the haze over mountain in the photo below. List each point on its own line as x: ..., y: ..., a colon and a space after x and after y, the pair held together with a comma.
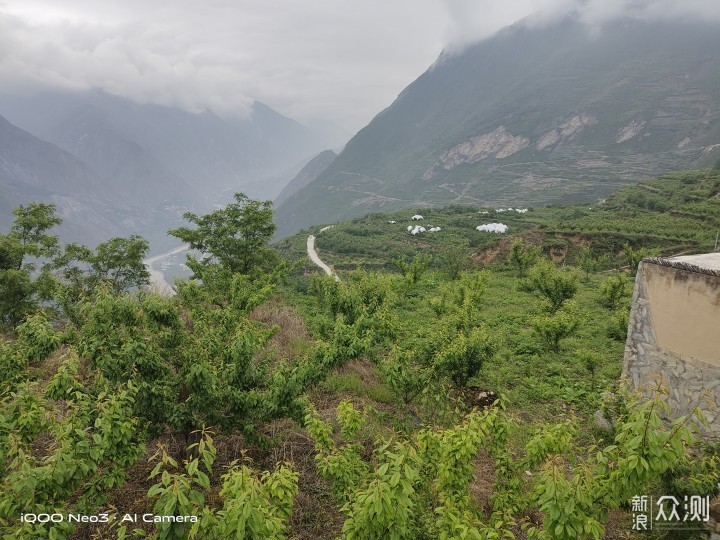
x: 531, y: 116
x: 35, y: 170
x: 157, y: 160
x: 314, y: 168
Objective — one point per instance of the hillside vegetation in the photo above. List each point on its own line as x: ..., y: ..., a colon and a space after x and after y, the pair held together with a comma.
x: 431, y: 399
x: 678, y: 213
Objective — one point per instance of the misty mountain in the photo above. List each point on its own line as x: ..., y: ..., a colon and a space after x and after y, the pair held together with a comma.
x: 133, y: 168
x: 314, y: 168
x: 35, y: 170
x: 531, y: 116
x: 203, y: 149
x: 88, y: 135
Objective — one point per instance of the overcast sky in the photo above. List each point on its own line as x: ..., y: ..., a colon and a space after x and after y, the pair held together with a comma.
x: 340, y: 61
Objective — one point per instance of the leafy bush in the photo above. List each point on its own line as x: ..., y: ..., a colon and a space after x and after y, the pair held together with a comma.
x: 554, y: 284
x: 464, y: 355
x: 522, y: 257
x: 37, y: 338
x: 615, y: 290
x: 553, y: 327
x: 618, y: 327
x: 412, y: 271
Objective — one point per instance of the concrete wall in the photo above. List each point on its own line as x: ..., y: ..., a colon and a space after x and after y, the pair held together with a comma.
x: 674, y: 336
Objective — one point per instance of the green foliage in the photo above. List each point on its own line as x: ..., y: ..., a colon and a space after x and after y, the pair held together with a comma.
x: 255, y: 506
x: 96, y: 439
x: 634, y: 256
x: 454, y: 261
x: 405, y: 377
x: 194, y: 366
x: 181, y: 493
x: 412, y: 480
x: 19, y: 292
x: 618, y: 325
x: 342, y: 465
x: 522, y: 257
x: 29, y: 227
x: 235, y: 238
x: 554, y: 284
x: 360, y: 295
x: 462, y: 359
x: 17, y: 299
x: 65, y: 382
x: 412, y: 271
x: 588, y: 262
x: 553, y: 327
x: 13, y: 362
x: 615, y: 291
x: 549, y: 440
x: 117, y: 263
x: 385, y: 509
x: 576, y: 505
x: 37, y: 338
x: 590, y: 360
x: 67, y: 277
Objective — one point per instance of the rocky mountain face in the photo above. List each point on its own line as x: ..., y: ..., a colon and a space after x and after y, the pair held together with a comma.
x: 532, y: 116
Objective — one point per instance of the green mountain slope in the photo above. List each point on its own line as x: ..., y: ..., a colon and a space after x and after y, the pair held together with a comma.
x: 679, y: 213
x: 307, y: 174
x: 532, y: 116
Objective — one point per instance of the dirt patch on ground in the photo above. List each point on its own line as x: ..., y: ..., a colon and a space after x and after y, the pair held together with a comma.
x: 500, y: 252
x: 292, y: 339
x: 480, y: 489
x: 558, y: 254
x: 364, y: 368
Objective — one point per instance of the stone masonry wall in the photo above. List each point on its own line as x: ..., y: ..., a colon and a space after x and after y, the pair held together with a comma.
x: 691, y: 382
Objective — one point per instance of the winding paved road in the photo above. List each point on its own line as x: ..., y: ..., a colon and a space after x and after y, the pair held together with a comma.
x: 314, y: 256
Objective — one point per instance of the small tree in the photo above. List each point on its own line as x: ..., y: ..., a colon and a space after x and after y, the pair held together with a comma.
x: 405, y: 377
x: 614, y: 290
x: 27, y: 237
x: 80, y: 271
x: 463, y: 357
x: 618, y: 327
x: 29, y: 229
x: 454, y: 261
x: 522, y: 256
x: 554, y: 284
x: 235, y: 237
x: 119, y: 261
x: 413, y: 270
x: 588, y: 263
x: 556, y: 326
x: 590, y: 360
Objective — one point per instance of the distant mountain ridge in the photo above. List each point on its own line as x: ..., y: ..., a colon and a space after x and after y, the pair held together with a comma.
x: 203, y: 149
x: 152, y: 162
x: 528, y: 117
x: 35, y: 170
x: 314, y: 168
x: 90, y: 136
